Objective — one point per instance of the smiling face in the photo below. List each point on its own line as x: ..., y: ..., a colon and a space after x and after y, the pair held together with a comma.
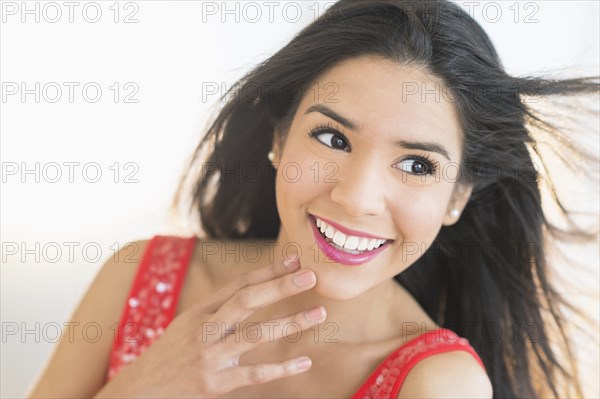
x: 372, y: 158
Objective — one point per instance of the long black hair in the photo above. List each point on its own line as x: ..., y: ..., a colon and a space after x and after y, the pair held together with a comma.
x: 487, y: 276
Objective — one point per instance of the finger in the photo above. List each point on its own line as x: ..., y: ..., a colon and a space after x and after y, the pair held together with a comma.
x: 235, y: 377
x: 247, y: 300
x: 252, y: 334
x: 276, y: 269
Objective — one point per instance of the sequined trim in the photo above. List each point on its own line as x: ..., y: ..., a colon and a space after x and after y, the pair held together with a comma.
x: 386, y: 381
x: 152, y: 300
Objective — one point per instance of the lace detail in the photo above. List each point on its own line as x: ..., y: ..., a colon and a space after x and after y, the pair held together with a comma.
x: 152, y: 300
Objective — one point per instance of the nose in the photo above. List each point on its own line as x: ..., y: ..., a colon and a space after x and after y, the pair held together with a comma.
x: 360, y: 189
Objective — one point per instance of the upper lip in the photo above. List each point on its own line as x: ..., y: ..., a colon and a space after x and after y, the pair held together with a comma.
x: 348, y: 231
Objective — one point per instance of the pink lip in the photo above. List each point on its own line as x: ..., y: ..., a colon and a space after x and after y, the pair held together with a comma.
x: 350, y: 232
x: 339, y: 256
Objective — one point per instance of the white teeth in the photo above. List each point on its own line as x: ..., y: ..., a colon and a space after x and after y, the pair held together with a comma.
x: 351, y: 242
x: 371, y: 244
x: 329, y: 232
x: 339, y: 238
x: 348, y: 251
x: 344, y: 241
x: 363, y: 243
x: 376, y: 243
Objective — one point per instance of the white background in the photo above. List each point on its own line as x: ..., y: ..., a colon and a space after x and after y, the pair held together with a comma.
x: 168, y: 55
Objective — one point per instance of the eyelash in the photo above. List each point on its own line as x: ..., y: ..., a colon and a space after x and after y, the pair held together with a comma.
x: 431, y: 164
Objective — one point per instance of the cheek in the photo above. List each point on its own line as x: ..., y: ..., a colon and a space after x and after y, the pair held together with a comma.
x: 298, y: 182
x: 300, y: 175
x: 419, y: 215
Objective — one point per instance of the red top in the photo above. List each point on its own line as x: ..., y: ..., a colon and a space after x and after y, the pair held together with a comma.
x: 153, y: 298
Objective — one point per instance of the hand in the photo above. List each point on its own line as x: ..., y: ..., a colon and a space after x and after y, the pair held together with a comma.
x: 190, y: 360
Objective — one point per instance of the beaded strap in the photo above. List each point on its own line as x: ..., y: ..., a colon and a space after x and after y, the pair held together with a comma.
x: 386, y: 380
x: 152, y: 300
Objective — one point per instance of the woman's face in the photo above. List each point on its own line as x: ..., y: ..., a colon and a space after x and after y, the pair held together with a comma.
x: 389, y: 176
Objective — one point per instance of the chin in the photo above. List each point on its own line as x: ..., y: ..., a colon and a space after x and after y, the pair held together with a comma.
x: 333, y: 288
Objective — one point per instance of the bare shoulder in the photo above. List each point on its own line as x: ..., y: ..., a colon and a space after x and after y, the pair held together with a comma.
x: 118, y: 272
x: 454, y: 374
x: 79, y: 361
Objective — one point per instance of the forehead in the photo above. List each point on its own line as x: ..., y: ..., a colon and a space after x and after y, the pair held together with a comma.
x: 388, y: 100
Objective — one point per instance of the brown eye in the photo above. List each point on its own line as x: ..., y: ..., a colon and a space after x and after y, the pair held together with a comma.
x: 416, y: 167
x: 333, y: 140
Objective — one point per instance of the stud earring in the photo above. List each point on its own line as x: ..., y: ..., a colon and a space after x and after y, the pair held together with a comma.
x: 271, y: 156
x: 454, y: 213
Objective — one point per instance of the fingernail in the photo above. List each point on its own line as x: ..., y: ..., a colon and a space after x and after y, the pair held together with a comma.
x: 307, y: 277
x: 315, y: 314
x: 303, y: 363
x: 291, y: 260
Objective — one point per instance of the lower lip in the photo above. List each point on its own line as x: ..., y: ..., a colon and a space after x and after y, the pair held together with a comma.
x: 343, y: 258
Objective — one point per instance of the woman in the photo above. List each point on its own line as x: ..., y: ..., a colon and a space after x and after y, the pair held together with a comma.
x: 387, y: 148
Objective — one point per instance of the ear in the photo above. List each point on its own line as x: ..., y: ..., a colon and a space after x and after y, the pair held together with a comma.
x: 276, y: 146
x: 458, y: 201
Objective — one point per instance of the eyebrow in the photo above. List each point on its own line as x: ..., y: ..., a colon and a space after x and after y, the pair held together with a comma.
x: 348, y: 124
